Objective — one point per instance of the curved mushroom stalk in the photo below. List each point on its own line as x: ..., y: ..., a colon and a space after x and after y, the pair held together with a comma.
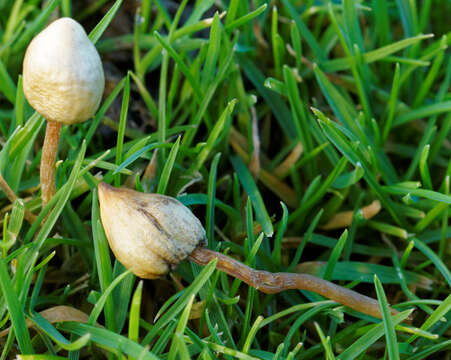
x: 150, y: 234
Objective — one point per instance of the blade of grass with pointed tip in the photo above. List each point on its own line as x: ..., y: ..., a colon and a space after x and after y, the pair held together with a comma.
x: 99, y: 305
x: 391, y: 105
x: 177, y: 342
x: 370, y: 337
x: 389, y: 326
x: 211, y: 202
x: 121, y: 129
x: 213, y: 51
x: 167, y: 169
x: 97, y: 32
x: 16, y: 312
x: 207, y: 97
x: 423, y: 112
x: 374, y: 55
x: 183, y: 67
x: 59, y: 201
x: 427, y: 194
x: 330, y: 129
x: 45, y: 326
x: 408, y: 16
x: 181, y: 302
x: 300, y: 117
x: 103, y: 109
x: 431, y: 255
x: 443, y: 309
x: 7, y: 86
x: 363, y: 272
x: 115, y: 343
x: 276, y: 256
x: 350, y: 178
x: 251, y: 189
x: 213, y: 137
x: 304, y: 30
x: 245, y: 18
x: 325, y: 342
x: 147, y: 98
x: 135, y: 307
x: 202, y: 199
x: 335, y: 255
x: 102, y: 259
x: 137, y: 154
x: 274, y: 100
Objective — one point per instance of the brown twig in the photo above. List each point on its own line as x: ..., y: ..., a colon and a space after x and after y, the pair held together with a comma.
x: 48, y: 157
x: 271, y: 283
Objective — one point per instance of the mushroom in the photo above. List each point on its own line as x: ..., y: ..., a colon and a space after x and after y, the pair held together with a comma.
x: 63, y: 81
x: 151, y: 233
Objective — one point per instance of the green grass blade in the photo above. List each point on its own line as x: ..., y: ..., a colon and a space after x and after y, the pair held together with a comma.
x: 99, y: 305
x: 389, y: 328
x: 211, y: 203
x: 109, y: 340
x: 56, y: 336
x: 167, y: 169
x: 423, y: 112
x: 100, y: 28
x: 122, y: 125
x: 335, y: 255
x: 370, y: 337
x: 180, y: 304
x: 245, y: 18
x: 251, y: 189
x: 275, y: 102
x: 213, y: 137
x: 135, y: 307
x: 102, y: 259
x: 375, y: 55
x: 7, y: 86
x: 431, y: 255
x: 15, y: 310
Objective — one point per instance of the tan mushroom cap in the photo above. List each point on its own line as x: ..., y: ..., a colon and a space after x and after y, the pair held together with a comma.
x: 149, y: 234
x: 62, y: 73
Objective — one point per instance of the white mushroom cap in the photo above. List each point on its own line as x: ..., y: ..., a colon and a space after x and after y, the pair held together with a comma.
x: 148, y: 233
x: 62, y: 73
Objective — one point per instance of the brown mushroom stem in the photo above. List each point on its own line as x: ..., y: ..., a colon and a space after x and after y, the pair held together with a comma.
x: 48, y: 158
x: 271, y: 283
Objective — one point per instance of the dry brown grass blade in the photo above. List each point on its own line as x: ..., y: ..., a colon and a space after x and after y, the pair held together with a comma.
x: 284, y: 167
x: 282, y: 190
x: 344, y: 219
x: 197, y: 310
x: 151, y: 170
x: 57, y: 314
x: 29, y: 216
x: 254, y: 165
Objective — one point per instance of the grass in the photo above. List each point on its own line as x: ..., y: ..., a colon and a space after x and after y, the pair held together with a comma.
x: 269, y: 120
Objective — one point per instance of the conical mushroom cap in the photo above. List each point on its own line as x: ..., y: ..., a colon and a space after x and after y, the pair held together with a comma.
x: 62, y: 73
x: 148, y: 233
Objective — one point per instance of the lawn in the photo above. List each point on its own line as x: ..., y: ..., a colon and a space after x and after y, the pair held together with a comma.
x: 309, y: 137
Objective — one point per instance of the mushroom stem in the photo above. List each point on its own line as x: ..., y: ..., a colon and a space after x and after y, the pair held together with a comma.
x: 271, y: 283
x: 48, y: 157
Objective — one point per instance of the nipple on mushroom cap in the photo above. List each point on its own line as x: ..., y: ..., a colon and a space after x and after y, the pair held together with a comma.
x: 62, y: 73
x: 148, y: 233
